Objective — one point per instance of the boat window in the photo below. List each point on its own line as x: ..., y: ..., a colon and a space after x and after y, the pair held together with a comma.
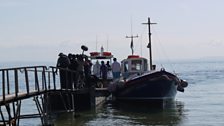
x: 136, y: 65
x: 145, y: 65
x: 125, y: 66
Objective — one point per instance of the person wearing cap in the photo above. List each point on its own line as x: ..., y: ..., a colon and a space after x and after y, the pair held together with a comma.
x: 63, y: 63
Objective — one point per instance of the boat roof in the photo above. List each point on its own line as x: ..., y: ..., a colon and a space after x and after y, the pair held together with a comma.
x: 134, y: 57
x: 98, y: 55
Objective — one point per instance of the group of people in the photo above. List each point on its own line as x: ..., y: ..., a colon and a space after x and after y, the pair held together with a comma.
x: 102, y: 70
x: 75, y: 70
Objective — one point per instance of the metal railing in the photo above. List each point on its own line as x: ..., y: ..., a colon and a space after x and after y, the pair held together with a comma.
x: 27, y: 80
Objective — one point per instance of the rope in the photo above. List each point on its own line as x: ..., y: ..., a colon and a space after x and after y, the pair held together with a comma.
x: 161, y: 48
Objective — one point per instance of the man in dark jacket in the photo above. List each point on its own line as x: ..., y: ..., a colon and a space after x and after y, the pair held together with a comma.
x: 63, y: 63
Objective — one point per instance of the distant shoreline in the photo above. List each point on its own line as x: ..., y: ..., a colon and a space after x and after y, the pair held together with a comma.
x: 8, y: 64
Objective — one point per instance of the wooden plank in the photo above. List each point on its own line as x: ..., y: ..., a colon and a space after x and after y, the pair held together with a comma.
x: 24, y: 95
x: 101, y: 89
x: 21, y: 95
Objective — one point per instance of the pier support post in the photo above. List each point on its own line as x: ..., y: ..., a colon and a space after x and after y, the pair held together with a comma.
x: 85, y: 100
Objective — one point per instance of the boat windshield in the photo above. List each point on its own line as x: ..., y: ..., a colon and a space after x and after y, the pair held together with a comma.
x: 133, y: 66
x: 136, y: 65
x: 126, y: 66
x: 145, y: 65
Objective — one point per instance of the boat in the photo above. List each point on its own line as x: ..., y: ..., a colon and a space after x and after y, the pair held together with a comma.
x: 96, y: 58
x: 141, y: 83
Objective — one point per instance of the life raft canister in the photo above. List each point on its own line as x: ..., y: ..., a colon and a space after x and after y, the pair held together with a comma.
x: 106, y: 53
x: 133, y: 56
x: 94, y: 53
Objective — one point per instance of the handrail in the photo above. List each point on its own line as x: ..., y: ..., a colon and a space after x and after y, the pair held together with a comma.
x: 22, y: 67
x: 31, y: 78
x: 60, y: 68
x: 15, y: 80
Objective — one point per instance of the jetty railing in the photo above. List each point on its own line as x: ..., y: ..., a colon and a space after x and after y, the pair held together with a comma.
x: 21, y: 83
x: 28, y: 81
x: 47, y: 86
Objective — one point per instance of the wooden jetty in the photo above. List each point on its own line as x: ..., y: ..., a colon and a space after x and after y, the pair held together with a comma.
x: 42, y: 84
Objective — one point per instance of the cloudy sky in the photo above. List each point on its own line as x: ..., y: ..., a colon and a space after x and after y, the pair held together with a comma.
x: 37, y: 30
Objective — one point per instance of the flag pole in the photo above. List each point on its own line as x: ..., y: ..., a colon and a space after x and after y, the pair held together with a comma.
x: 132, y: 45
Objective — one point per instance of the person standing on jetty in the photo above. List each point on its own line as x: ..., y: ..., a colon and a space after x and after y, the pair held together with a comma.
x: 73, y: 73
x: 116, y: 69
x: 63, y: 63
x: 87, y: 71
x: 80, y: 70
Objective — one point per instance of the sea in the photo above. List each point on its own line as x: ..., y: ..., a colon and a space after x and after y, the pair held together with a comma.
x: 201, y: 104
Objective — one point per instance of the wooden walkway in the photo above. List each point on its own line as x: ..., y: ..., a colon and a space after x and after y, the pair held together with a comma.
x: 34, y: 82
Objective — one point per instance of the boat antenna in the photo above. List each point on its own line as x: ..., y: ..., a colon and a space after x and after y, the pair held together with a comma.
x: 96, y: 42
x: 149, y: 44
x: 107, y: 42
x: 131, y: 37
x: 132, y: 45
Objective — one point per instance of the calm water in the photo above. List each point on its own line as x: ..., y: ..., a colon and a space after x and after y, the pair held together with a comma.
x: 202, y: 103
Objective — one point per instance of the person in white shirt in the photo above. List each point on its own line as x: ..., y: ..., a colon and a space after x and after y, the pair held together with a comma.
x: 96, y: 69
x: 116, y: 69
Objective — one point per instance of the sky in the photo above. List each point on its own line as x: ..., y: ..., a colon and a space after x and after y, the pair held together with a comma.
x: 38, y: 30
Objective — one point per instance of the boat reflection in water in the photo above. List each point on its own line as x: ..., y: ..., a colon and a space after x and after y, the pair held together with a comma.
x: 171, y: 113
x: 127, y: 114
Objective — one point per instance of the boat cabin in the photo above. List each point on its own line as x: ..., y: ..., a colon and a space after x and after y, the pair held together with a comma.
x: 134, y: 64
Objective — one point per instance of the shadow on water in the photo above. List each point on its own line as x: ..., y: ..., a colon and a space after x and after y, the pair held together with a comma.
x: 127, y: 114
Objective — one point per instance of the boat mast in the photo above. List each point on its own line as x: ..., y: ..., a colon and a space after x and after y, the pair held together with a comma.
x: 149, y: 44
